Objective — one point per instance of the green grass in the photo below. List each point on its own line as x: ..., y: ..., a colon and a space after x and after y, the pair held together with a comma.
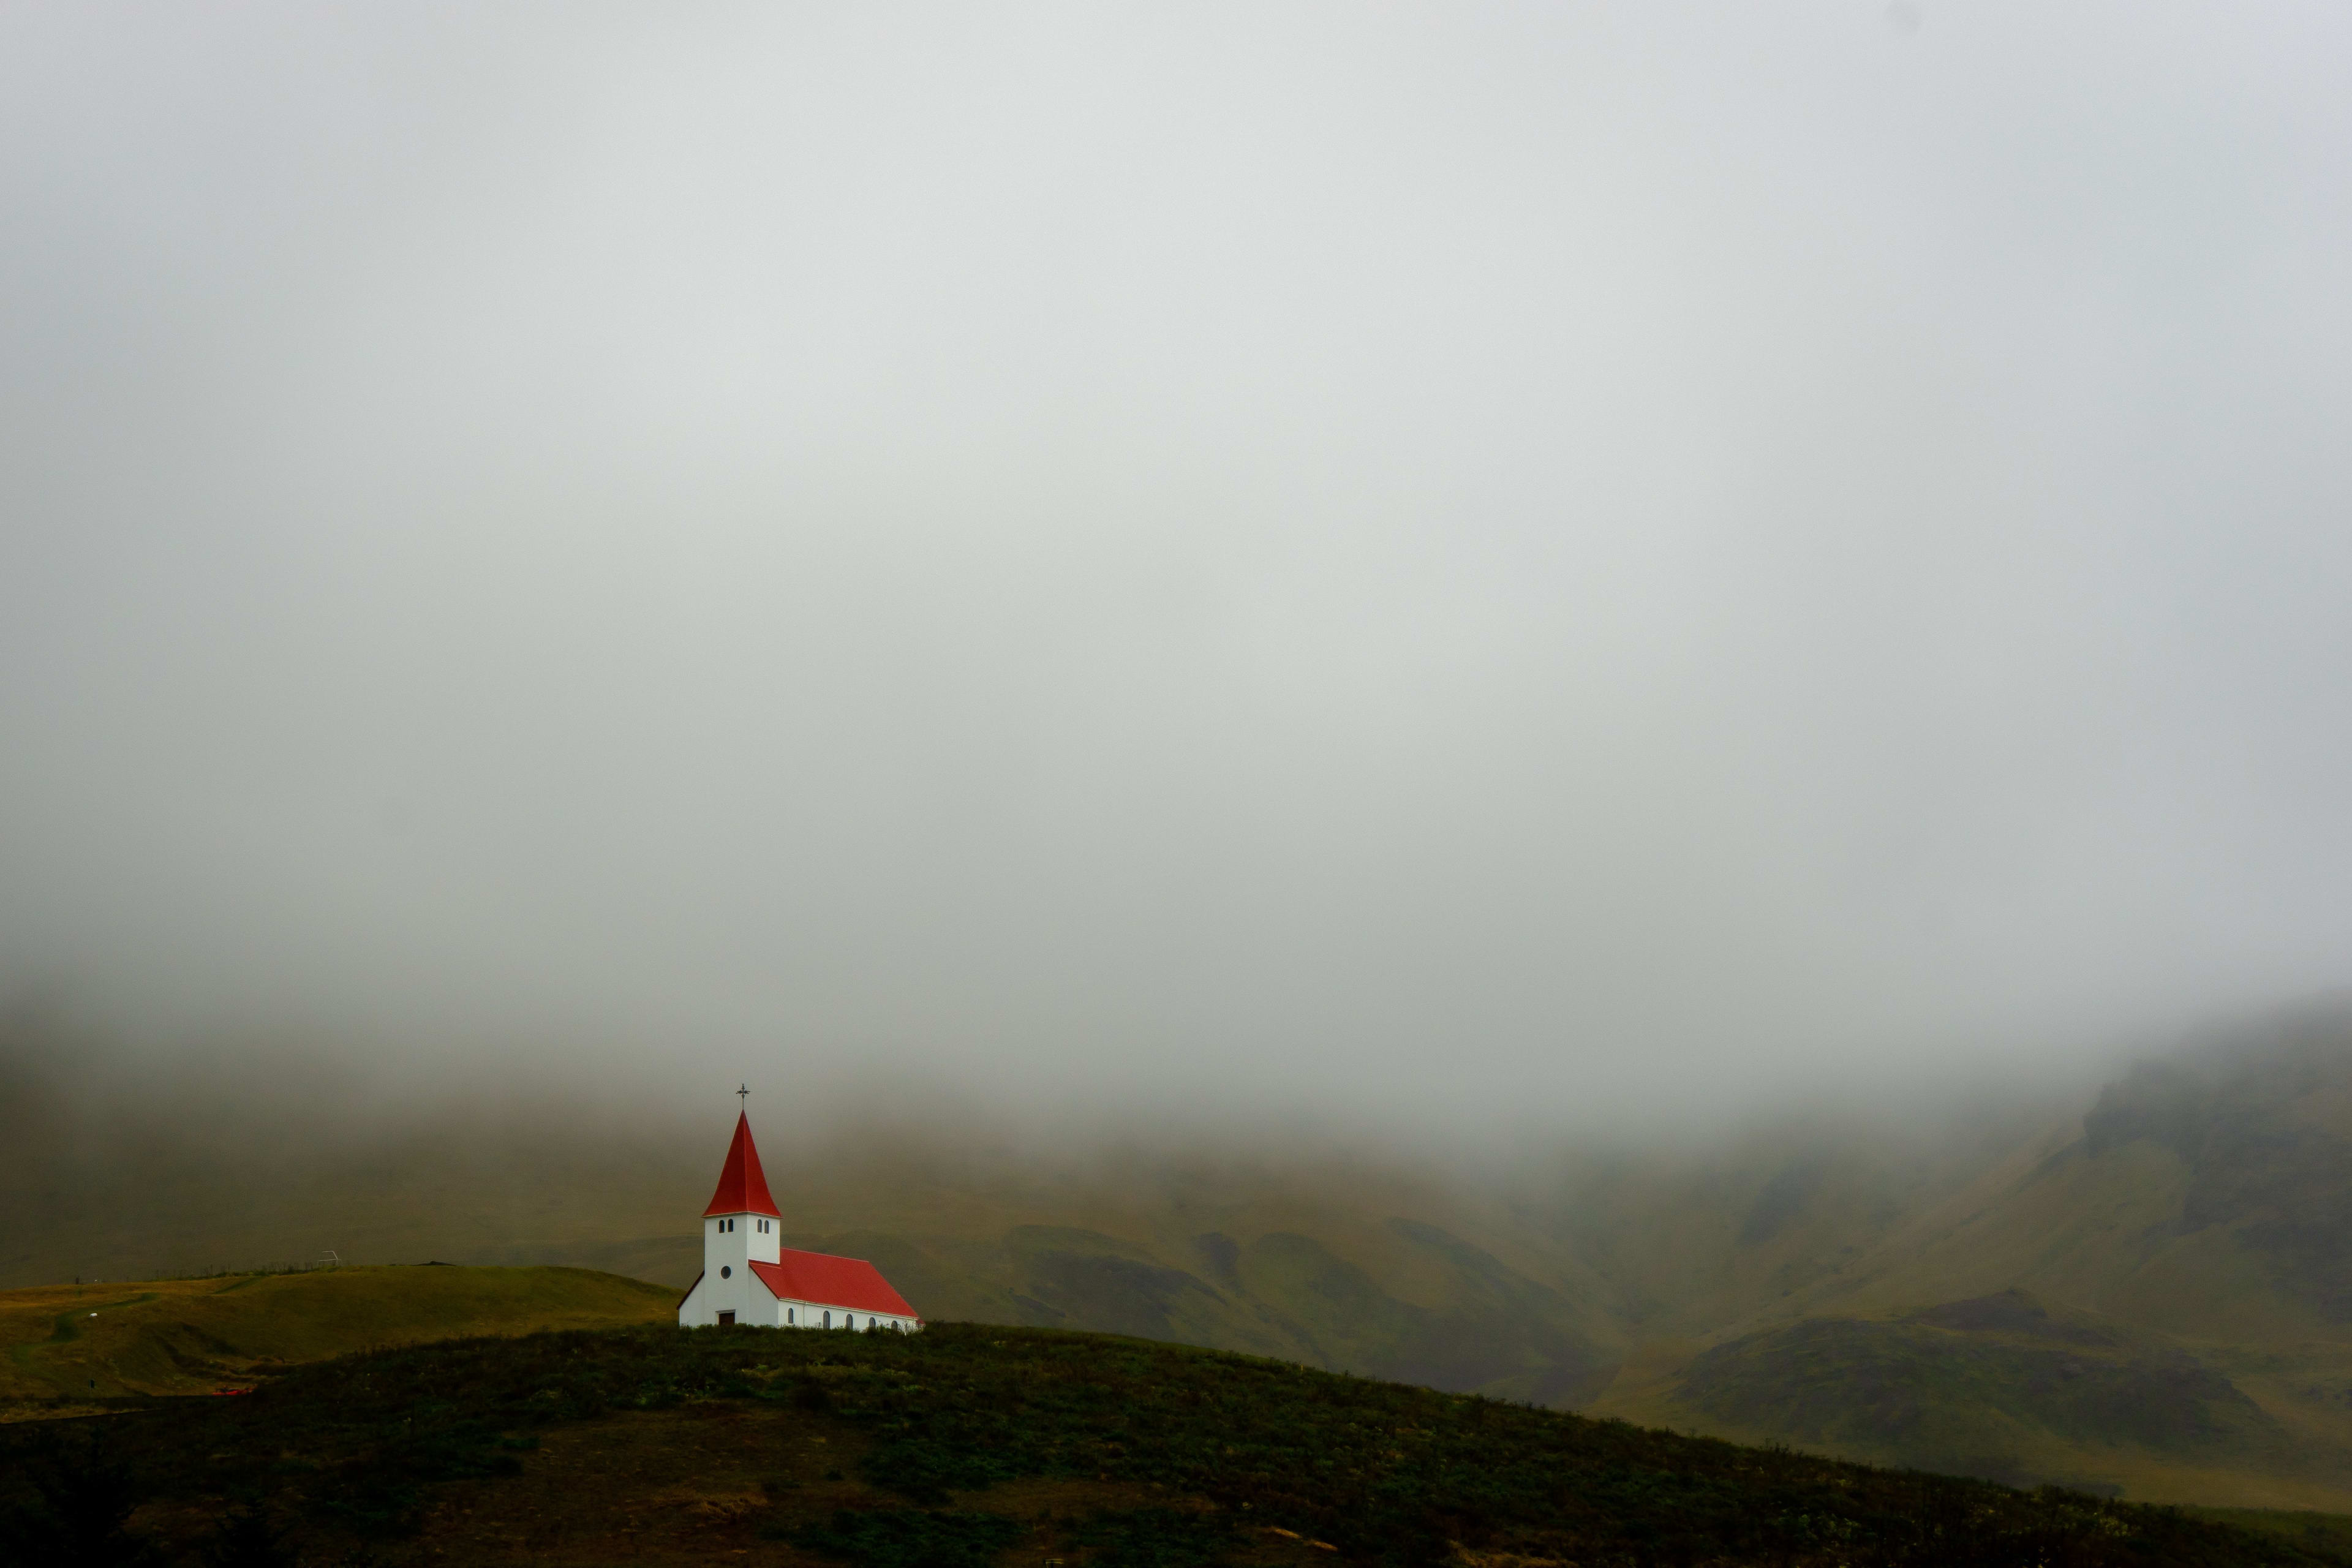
x: 194, y: 1335
x: 1232, y: 1448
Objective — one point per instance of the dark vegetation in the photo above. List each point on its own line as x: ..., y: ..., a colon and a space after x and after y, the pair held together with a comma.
x: 1197, y: 1457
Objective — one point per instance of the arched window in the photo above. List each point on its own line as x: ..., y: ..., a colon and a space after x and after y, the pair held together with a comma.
x: 828, y: 1320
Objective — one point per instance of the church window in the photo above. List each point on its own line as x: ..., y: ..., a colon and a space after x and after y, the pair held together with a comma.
x: 727, y: 1274
x: 828, y: 1320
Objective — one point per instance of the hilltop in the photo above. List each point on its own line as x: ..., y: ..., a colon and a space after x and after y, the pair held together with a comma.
x: 977, y: 1443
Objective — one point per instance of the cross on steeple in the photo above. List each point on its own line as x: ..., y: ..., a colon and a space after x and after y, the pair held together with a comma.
x: 743, y: 1094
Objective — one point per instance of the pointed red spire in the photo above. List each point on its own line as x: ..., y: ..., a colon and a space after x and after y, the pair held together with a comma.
x: 742, y: 1186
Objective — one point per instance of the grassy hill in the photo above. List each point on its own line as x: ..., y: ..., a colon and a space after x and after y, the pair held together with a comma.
x: 973, y: 1445
x: 184, y: 1336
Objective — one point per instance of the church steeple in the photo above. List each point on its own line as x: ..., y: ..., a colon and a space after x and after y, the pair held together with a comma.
x: 742, y: 1186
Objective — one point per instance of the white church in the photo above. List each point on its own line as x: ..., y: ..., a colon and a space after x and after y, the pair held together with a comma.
x: 749, y: 1278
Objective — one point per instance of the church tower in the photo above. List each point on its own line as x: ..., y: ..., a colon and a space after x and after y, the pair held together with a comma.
x: 739, y: 1228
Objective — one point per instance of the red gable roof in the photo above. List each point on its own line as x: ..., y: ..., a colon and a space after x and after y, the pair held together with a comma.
x: 831, y: 1281
x: 742, y: 1186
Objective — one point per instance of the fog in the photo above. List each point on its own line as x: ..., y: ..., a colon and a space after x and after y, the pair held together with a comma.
x: 1483, y: 568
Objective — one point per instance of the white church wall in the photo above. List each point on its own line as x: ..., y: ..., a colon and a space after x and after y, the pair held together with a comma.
x: 818, y: 1315
x: 755, y: 1307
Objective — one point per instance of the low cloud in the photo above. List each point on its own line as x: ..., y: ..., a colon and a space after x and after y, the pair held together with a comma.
x: 1472, y: 571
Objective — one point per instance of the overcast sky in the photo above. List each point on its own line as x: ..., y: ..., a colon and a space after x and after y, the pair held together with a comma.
x: 1502, y: 562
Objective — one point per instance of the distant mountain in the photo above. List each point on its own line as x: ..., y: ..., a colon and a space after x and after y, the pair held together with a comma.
x: 2150, y: 1297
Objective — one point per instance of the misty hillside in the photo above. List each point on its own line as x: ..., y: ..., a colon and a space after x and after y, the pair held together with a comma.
x: 2147, y: 1295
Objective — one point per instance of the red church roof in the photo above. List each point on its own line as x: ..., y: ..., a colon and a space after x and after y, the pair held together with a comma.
x: 830, y: 1281
x: 742, y: 1187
